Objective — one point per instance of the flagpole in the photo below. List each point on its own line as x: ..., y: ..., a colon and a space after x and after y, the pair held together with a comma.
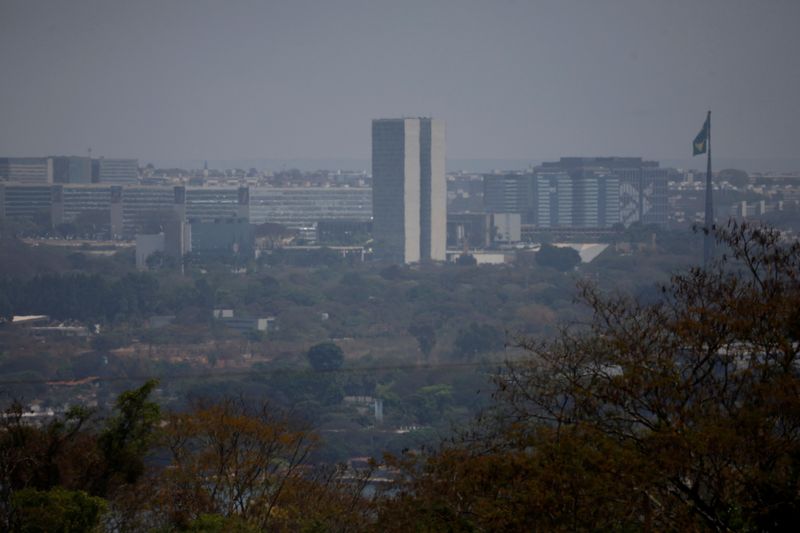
x: 708, y: 244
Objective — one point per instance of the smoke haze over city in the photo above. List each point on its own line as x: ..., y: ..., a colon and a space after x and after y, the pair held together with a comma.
x: 411, y: 265
x: 187, y: 81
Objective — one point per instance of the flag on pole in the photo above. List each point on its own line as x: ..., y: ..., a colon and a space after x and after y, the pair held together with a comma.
x: 700, y: 143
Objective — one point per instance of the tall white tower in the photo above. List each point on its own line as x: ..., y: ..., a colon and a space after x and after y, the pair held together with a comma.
x: 409, y: 191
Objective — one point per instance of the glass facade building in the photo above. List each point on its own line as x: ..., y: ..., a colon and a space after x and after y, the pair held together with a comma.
x: 296, y: 207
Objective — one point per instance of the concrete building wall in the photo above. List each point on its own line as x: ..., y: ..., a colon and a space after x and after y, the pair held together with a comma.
x: 438, y: 194
x: 507, y: 227
x: 411, y: 191
x: 388, y: 188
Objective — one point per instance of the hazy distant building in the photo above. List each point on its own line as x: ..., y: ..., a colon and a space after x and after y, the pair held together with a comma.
x: 24, y: 201
x: 298, y: 207
x: 510, y: 193
x: 29, y: 170
x: 553, y: 198
x: 409, y: 191
x: 643, y: 194
x: 506, y: 227
x: 343, y: 231
x: 147, y: 245
x: 469, y: 230
x: 596, y: 198
x: 118, y: 171
x: 221, y: 238
x: 72, y: 169
x: 553, y: 194
x: 210, y: 203
x: 148, y: 209
x: 145, y: 209
x: 85, y: 198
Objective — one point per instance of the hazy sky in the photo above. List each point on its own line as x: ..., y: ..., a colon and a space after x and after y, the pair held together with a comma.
x: 300, y: 79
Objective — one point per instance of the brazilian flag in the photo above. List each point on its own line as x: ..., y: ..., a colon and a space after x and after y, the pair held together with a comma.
x: 700, y: 143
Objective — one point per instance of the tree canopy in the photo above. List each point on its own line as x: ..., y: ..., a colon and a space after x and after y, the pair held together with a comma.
x: 681, y: 414
x: 560, y: 258
x: 325, y: 356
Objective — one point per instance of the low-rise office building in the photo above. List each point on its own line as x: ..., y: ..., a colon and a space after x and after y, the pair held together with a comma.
x: 27, y: 170
x: 118, y: 171
x: 297, y: 207
x: 72, y: 169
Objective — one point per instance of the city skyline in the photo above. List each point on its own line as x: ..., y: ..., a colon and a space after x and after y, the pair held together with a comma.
x: 187, y: 82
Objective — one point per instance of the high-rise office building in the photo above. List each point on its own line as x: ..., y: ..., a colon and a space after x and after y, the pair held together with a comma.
x: 409, y: 190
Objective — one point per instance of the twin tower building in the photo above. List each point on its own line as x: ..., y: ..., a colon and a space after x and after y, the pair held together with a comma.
x: 409, y: 190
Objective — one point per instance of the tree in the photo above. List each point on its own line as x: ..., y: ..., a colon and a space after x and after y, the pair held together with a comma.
x: 682, y: 414
x: 425, y: 336
x: 6, y: 309
x: 66, y: 465
x: 466, y: 260
x: 58, y: 453
x: 228, y: 460
x: 56, y: 510
x: 559, y: 258
x: 158, y: 260
x: 325, y: 357
x: 127, y: 436
x: 478, y: 339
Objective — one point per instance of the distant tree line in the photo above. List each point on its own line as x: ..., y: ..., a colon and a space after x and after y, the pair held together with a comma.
x: 80, y: 296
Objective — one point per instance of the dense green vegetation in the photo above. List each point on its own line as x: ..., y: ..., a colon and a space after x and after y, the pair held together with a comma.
x: 420, y: 339
x: 679, y: 414
x: 676, y: 412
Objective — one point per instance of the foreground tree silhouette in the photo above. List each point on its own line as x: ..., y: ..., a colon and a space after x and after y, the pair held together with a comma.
x: 62, y: 470
x: 682, y: 415
x: 235, y: 466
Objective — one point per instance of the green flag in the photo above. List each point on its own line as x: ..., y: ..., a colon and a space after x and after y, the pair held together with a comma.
x: 700, y: 143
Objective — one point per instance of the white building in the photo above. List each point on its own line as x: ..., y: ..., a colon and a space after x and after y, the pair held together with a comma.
x: 409, y: 190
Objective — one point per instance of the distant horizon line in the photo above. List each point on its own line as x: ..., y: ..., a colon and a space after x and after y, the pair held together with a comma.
x: 453, y: 164
x: 468, y: 164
